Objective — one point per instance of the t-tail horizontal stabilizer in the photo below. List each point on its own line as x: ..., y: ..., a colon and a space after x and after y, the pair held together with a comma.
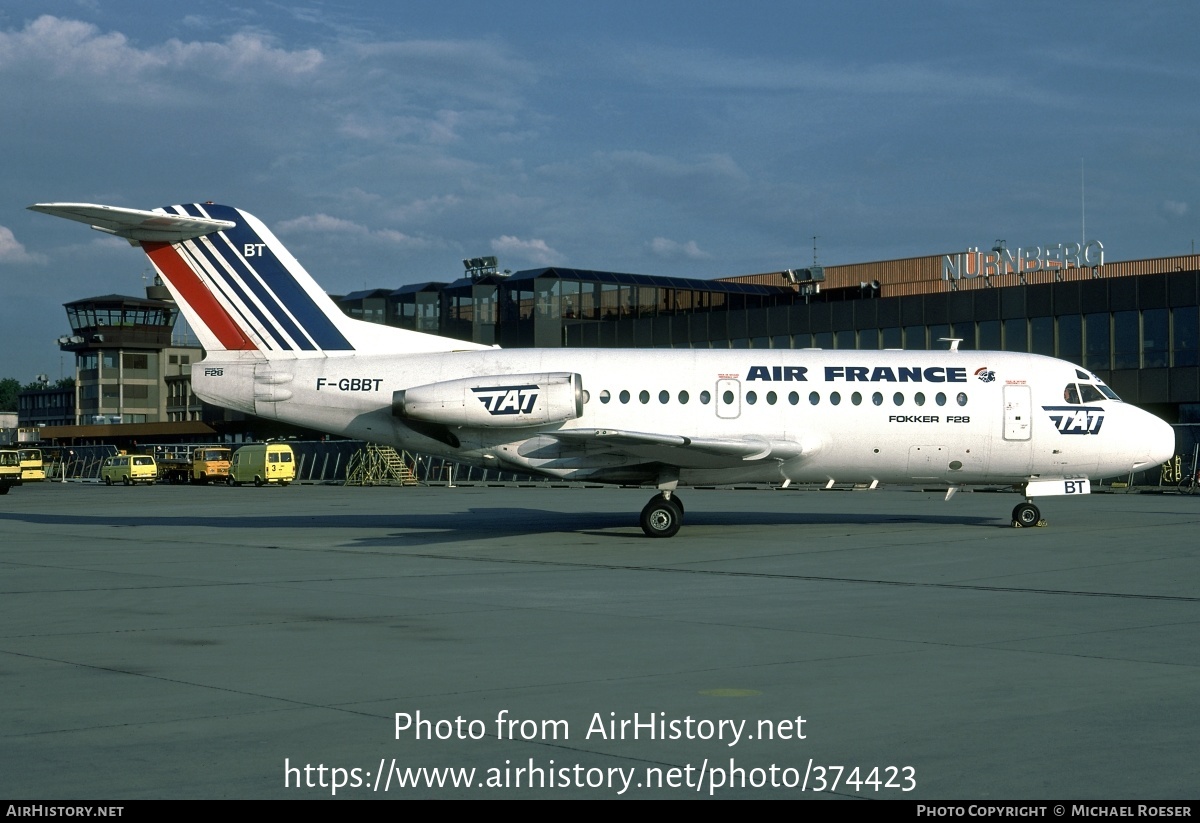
x: 135, y: 225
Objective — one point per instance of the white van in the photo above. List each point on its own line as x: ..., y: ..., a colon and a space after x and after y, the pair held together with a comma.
x: 263, y: 463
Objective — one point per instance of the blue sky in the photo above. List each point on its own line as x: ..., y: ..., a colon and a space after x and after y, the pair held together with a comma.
x: 384, y: 142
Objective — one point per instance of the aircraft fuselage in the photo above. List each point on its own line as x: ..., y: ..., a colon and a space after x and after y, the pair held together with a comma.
x: 955, y: 417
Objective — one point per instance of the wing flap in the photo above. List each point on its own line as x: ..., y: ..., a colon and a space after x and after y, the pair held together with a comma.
x: 135, y: 225
x: 678, y: 450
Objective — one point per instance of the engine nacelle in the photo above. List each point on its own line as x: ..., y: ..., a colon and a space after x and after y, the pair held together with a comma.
x: 498, y: 401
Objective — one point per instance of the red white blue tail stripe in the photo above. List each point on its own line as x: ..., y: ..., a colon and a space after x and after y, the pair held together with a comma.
x: 245, y: 288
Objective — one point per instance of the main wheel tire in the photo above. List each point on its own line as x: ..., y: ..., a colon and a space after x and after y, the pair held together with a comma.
x: 661, y: 518
x: 108, y: 481
x: 1026, y: 515
x: 258, y: 481
x: 125, y: 481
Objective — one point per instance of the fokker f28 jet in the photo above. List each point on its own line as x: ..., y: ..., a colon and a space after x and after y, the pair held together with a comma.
x: 277, y: 346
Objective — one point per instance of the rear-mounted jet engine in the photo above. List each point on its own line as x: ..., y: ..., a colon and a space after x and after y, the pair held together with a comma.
x: 498, y: 401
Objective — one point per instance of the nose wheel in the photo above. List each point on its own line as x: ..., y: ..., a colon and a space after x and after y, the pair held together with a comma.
x: 1026, y: 516
x: 662, y: 516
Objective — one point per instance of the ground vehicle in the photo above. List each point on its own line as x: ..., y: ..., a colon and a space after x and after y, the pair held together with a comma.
x: 210, y: 464
x: 262, y: 463
x: 129, y: 469
x: 32, y: 467
x: 10, y: 470
x: 194, y: 464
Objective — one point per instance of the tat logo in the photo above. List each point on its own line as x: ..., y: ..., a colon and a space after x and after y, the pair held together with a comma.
x: 507, y: 399
x: 985, y: 374
x: 1076, y: 419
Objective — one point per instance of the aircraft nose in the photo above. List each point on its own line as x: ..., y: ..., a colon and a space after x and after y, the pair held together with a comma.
x: 1156, y: 442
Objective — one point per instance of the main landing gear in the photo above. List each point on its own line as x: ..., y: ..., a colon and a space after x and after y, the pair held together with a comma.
x: 1026, y: 515
x: 662, y: 516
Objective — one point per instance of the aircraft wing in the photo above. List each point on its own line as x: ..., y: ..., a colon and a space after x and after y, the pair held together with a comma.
x: 135, y: 225
x: 678, y: 450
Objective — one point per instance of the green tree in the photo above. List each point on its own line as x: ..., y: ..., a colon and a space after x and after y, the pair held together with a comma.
x: 9, y: 387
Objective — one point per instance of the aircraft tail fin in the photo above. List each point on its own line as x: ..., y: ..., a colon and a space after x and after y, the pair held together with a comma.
x: 239, y: 287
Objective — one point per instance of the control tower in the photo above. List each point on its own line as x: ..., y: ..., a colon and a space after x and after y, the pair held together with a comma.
x: 123, y: 358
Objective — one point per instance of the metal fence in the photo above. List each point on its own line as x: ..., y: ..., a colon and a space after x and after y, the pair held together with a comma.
x: 76, y: 462
x: 325, y: 461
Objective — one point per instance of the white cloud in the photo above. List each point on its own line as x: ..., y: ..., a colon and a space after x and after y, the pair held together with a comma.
x: 772, y: 74
x: 325, y: 224
x: 665, y: 247
x: 424, y: 207
x: 706, y: 167
x: 321, y: 223
x: 408, y: 241
x: 439, y: 128
x: 1174, y: 208
x: 11, y: 250
x: 534, y: 250
x: 79, y: 49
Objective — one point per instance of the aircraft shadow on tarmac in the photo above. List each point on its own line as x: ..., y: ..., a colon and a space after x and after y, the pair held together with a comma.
x: 481, y: 523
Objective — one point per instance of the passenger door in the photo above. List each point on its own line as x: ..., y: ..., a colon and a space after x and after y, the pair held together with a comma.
x: 729, y: 398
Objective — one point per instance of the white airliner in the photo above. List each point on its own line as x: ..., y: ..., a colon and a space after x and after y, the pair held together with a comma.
x: 277, y: 346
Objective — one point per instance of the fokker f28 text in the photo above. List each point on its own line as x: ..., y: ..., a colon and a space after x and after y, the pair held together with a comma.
x: 277, y: 346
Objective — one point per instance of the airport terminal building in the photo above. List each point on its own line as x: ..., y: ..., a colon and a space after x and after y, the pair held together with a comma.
x: 1136, y: 324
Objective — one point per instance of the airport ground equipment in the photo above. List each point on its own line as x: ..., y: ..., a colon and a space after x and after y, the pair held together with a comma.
x: 263, y: 464
x: 10, y: 470
x: 193, y: 463
x: 375, y: 465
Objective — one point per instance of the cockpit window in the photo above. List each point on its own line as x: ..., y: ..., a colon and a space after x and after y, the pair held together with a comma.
x: 1088, y: 393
